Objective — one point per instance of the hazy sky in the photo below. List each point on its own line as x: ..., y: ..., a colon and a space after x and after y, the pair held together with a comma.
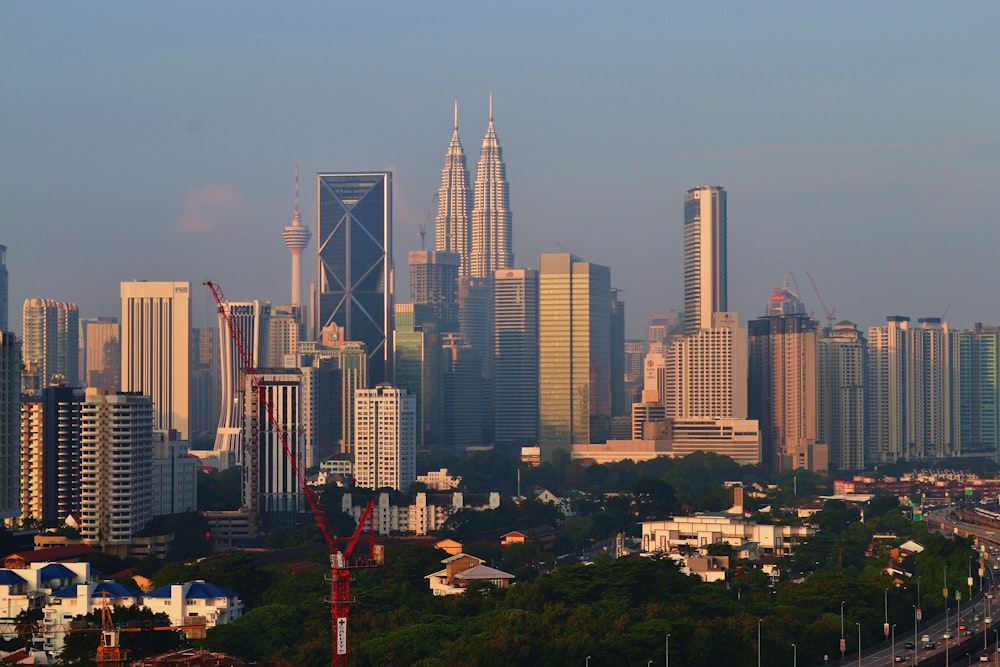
x: 858, y: 141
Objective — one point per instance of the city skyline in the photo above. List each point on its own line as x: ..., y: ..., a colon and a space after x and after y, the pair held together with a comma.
x: 840, y: 142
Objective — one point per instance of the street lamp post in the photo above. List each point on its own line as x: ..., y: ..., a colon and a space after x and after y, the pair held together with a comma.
x: 588, y: 661
x: 859, y: 643
x: 795, y: 656
x: 996, y: 651
x: 892, y: 655
x: 914, y: 635
x: 843, y: 642
x: 666, y: 660
x: 759, y: 621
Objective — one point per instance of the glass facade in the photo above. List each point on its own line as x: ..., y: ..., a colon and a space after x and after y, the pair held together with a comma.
x: 574, y: 352
x: 355, y: 262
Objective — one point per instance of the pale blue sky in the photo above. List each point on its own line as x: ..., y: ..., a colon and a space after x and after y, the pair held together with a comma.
x: 857, y: 140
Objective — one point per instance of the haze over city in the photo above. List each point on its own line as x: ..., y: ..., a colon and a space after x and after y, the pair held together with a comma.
x: 856, y: 141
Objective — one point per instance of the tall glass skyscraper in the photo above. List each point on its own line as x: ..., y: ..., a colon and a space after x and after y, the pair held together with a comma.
x: 574, y: 352
x: 50, y: 343
x: 355, y: 281
x: 3, y: 288
x: 704, y: 256
x: 453, y: 226
x: 515, y: 356
x: 491, y: 217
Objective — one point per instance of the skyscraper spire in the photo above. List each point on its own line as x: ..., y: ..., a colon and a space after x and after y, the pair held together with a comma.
x: 452, y: 228
x: 491, y: 216
x: 296, y: 236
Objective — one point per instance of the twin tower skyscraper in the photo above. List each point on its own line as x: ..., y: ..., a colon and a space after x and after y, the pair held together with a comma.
x: 479, y: 234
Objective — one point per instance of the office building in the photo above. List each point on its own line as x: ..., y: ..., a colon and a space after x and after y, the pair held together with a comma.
x: 705, y: 373
x: 355, y: 281
x: 574, y: 352
x: 252, y: 322
x: 50, y: 346
x: 385, y: 450
x: 841, y: 364
x: 206, y: 386
x: 156, y: 349
x: 10, y: 425
x: 492, y: 247
x: 116, y: 465
x: 271, y: 490
x: 461, y: 394
x: 102, y: 352
x: 4, y: 290
x: 453, y: 225
x: 434, y: 285
x: 783, y: 301
x: 620, y: 403
x: 418, y: 358
x: 704, y: 256
x: 296, y: 238
x: 980, y: 430
x: 515, y: 356
x: 475, y: 315
x: 783, y: 382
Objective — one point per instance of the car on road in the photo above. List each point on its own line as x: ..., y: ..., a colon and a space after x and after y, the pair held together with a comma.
x: 946, y: 635
x: 899, y: 658
x: 909, y: 646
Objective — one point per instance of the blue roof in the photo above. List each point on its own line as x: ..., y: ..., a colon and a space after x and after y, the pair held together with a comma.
x: 113, y: 589
x: 198, y: 590
x: 9, y: 578
x: 56, y: 571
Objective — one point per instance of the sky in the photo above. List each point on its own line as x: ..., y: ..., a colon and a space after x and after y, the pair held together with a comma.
x: 857, y: 141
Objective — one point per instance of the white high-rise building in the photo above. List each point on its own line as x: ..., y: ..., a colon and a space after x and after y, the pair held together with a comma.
x: 385, y: 450
x: 116, y: 470
x: 705, y: 373
x: 156, y: 355
x: 913, y: 389
x: 841, y: 367
x: 10, y: 425
x: 252, y: 320
x: 704, y: 256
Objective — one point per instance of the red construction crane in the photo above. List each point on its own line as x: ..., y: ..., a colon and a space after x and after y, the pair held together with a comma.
x: 341, y: 561
x: 830, y: 314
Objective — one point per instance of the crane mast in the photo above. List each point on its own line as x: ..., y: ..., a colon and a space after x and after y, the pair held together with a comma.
x: 341, y: 561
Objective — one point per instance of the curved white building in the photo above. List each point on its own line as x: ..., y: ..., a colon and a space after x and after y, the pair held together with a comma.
x: 252, y: 318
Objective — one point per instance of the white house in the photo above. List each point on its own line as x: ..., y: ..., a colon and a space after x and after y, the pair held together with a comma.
x: 183, y: 602
x: 462, y: 569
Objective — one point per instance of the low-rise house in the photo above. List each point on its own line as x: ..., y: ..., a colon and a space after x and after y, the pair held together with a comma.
x: 195, y: 599
x: 702, y: 529
x: 81, y: 599
x: 461, y: 570
x: 30, y: 587
x: 544, y: 536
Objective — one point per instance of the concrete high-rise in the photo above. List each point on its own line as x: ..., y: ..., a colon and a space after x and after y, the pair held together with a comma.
x: 156, y: 349
x: 252, y: 319
x: 10, y: 424
x: 574, y: 352
x: 116, y: 465
x: 355, y: 281
x: 782, y: 381
x: 704, y: 256
x: 453, y: 226
x: 705, y: 374
x: 515, y: 360
x: 842, y: 367
x: 417, y: 349
x: 206, y: 386
x: 385, y: 451
x: 296, y: 237
x: 50, y: 345
x: 4, y: 289
x: 492, y: 247
x: 913, y: 391
x: 50, y: 454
